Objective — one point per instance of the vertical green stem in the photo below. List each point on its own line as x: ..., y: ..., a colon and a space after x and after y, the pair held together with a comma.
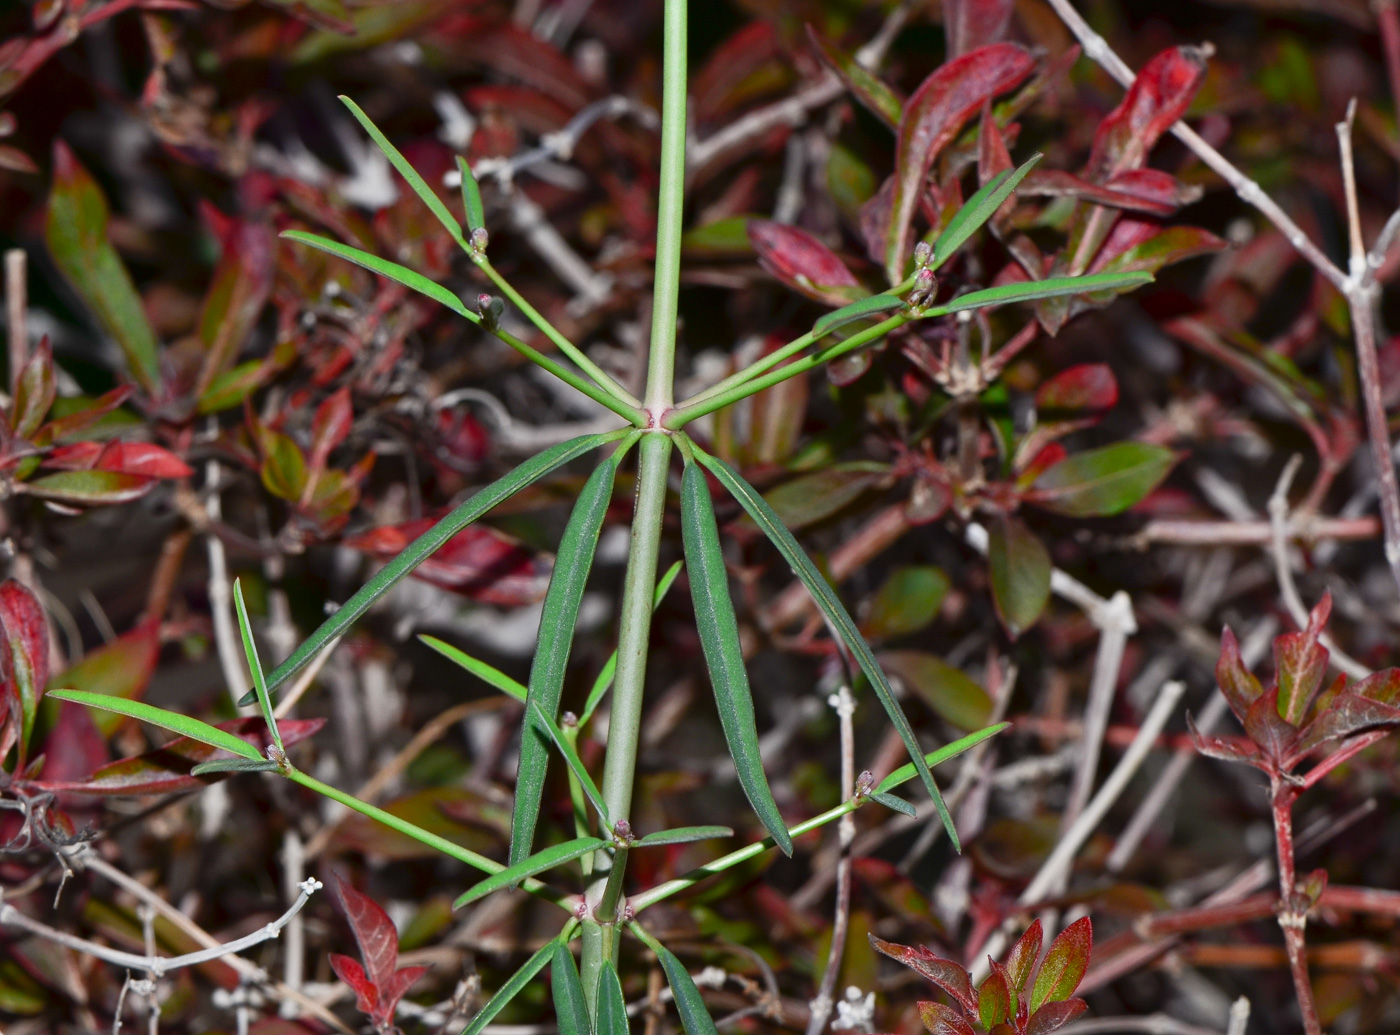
x: 662, y: 362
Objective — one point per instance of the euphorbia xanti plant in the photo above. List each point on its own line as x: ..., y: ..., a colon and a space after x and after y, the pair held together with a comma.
x: 655, y: 429
x: 1285, y: 723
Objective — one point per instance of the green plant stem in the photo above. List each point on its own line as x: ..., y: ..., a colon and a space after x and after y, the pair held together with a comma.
x: 691, y: 409
x: 580, y: 803
x: 624, y: 724
x: 535, y: 887
x: 601, y: 376
x: 669, y: 214
x: 606, y: 910
x: 771, y: 360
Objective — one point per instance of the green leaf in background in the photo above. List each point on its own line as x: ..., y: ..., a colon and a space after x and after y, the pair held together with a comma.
x: 947, y: 690
x: 250, y: 653
x: 546, y: 859
x: 570, y: 1006
x: 682, y: 835
x: 832, y: 607
x: 811, y: 498
x: 35, y: 390
x: 556, y: 636
x: 488, y: 674
x: 609, y: 669
x: 471, y: 197
x: 284, y: 465
x: 429, y: 542
x: 88, y: 488
x: 724, y: 656
x: 122, y: 668
x: 1102, y: 481
x: 512, y: 988
x: 695, y: 1018
x: 1030, y: 290
x: 420, y: 187
x: 173, y: 721
x: 612, y: 1007
x: 1020, y: 567
x: 906, y: 601
x: 400, y: 274
x: 978, y: 209
x: 76, y: 232
x: 875, y: 305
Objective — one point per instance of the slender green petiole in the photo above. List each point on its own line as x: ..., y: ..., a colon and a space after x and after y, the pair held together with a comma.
x: 597, y: 373
x: 687, y: 412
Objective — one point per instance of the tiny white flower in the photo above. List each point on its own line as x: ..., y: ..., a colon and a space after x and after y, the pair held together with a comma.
x: 856, y: 1012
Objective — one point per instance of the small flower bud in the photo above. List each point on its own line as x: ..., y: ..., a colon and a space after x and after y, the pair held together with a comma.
x: 865, y: 783
x: 568, y: 720
x: 490, y: 309
x: 923, y: 253
x: 623, y: 830
x: 479, y: 240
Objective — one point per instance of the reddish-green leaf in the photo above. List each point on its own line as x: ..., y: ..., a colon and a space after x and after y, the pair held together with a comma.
x: 1054, y: 1016
x: 1102, y: 481
x: 34, y: 392
x: 932, y: 118
x: 240, y: 288
x: 283, y: 464
x: 1158, y: 97
x: 122, y: 668
x: 1021, y: 959
x: 1087, y: 386
x: 76, y: 231
x: 1020, y: 568
x: 167, y: 769
x: 1345, y: 714
x: 811, y: 498
x: 943, y: 1020
x: 1237, y: 683
x: 478, y: 562
x: 803, y: 263
x: 945, y: 689
x: 944, y: 973
x: 24, y: 659
x: 907, y: 601
x: 90, y: 488
x: 881, y: 100
x: 1065, y: 963
x: 995, y: 1001
x: 330, y: 427
x: 1301, y: 662
x: 969, y: 24
x: 139, y: 458
x: 1137, y: 246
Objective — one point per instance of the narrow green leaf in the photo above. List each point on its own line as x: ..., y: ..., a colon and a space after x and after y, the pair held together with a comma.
x: 410, y: 174
x: 719, y: 637
x: 548, y: 859
x: 891, y: 801
x: 471, y: 197
x: 831, y: 605
x: 857, y: 310
x: 513, y: 987
x: 425, y: 545
x: 1034, y: 289
x: 978, y: 209
x: 1102, y: 481
x: 609, y: 670
x: 235, y: 765
x: 486, y: 673
x: 682, y: 835
x: 612, y: 1008
x: 401, y: 274
x: 173, y: 721
x: 695, y: 1018
x: 907, y: 772
x: 556, y: 637
x: 250, y: 652
x: 570, y: 1006
x: 575, y: 763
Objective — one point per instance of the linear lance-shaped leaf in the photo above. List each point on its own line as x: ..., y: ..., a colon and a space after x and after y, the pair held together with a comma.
x: 556, y: 636
x: 695, y: 1018
x: 832, y: 607
x: 488, y: 674
x: 513, y: 987
x: 612, y: 1008
x: 978, y: 209
x: 590, y: 789
x: 570, y: 1006
x: 857, y: 310
x: 471, y: 197
x: 420, y: 549
x: 546, y: 859
x: 682, y: 835
x: 1027, y: 291
x: 250, y: 652
x: 719, y: 637
x: 173, y: 721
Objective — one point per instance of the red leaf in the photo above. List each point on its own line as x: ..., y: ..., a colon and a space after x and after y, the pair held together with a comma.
x: 141, y: 458
x: 1064, y: 965
x: 90, y: 488
x: 366, y: 992
x: 74, y: 747
x: 1220, y: 748
x: 932, y: 118
x: 1158, y: 97
x: 943, y: 1020
x: 1021, y: 959
x: 802, y: 262
x: 379, y: 949
x: 478, y: 562
x: 24, y: 658
x: 1345, y: 714
x: 1137, y: 190
x: 1142, y: 245
x: 1268, y: 729
x: 330, y: 427
x: 1237, y: 683
x: 1088, y: 386
x: 1301, y: 661
x: 970, y: 24
x: 166, y: 770
x: 240, y: 288
x: 946, y: 974
x: 1053, y: 1016
x: 62, y: 427
x: 726, y: 79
